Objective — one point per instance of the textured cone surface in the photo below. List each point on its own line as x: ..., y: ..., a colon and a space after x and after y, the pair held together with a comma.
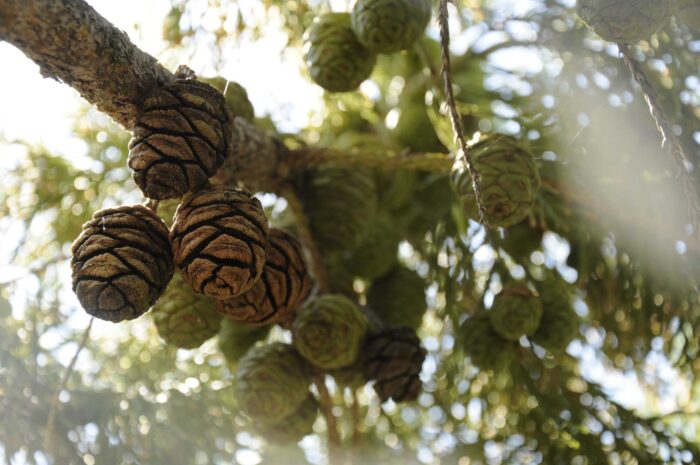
x: 509, y: 181
x: 329, y: 331
x: 516, y: 312
x: 183, y: 318
x: 415, y: 130
x: 293, y: 428
x: 220, y: 238
x: 486, y: 349
x: 272, y: 381
x: 625, y: 21
x: 398, y: 298
x: 351, y: 377
x: 340, y: 279
x: 235, y: 339
x: 560, y: 323
x: 376, y: 254
x: 687, y: 12
x: 236, y: 97
x: 180, y: 140
x: 393, y: 358
x: 339, y: 203
x: 386, y: 26
x: 122, y: 262
x: 335, y: 59
x: 284, y: 285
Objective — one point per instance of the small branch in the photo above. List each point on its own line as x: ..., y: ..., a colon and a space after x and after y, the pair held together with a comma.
x: 669, y: 140
x: 455, y: 117
x: 355, y: 415
x: 327, y: 409
x: 53, y: 408
x: 311, y: 156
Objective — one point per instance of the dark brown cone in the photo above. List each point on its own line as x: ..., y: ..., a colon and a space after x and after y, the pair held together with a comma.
x: 122, y: 262
x: 220, y: 238
x: 180, y: 140
x: 282, y: 288
x: 393, y: 357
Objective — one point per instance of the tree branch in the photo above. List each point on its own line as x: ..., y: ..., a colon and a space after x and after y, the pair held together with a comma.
x: 313, y: 156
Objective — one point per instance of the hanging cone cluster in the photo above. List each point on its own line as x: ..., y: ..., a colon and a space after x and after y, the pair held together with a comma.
x: 387, y: 26
x: 181, y: 138
x: 560, y: 323
x: 335, y: 59
x: 393, y: 358
x: 516, y: 312
x: 339, y: 203
x: 626, y: 21
x: 486, y: 349
x: 509, y: 180
x: 235, y: 339
x: 271, y: 382
x: 329, y: 331
x: 284, y: 285
x: 185, y: 319
x: 398, y: 298
x: 122, y: 263
x: 220, y: 240
x: 293, y: 428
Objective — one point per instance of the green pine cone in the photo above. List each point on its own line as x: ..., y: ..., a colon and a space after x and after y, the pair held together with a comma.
x: 516, y: 312
x: 414, y: 129
x: 235, y: 339
x: 335, y: 59
x: 271, y: 382
x: 521, y: 241
x: 236, y: 96
x: 377, y: 253
x: 509, y: 181
x: 431, y: 202
x: 295, y: 427
x: 387, y: 26
x: 486, y: 349
x: 560, y: 323
x: 395, y: 189
x: 351, y: 377
x: 340, y: 279
x: 626, y: 21
x: 398, y: 298
x: 687, y: 12
x: 339, y: 203
x: 329, y: 331
x: 185, y: 319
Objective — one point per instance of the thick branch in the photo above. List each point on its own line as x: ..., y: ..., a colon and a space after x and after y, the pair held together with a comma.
x: 315, y: 156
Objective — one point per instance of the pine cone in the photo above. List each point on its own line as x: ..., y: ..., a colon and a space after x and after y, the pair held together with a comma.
x: 687, y: 12
x: 414, y: 129
x: 335, y: 59
x: 282, y: 288
x: 516, y: 312
x: 627, y: 21
x: 180, y: 140
x: 387, y: 26
x: 122, y: 263
x: 339, y: 203
x: 430, y: 203
x: 377, y: 253
x: 293, y: 428
x: 185, y: 319
x: 486, y: 349
x: 352, y: 376
x: 235, y: 339
x: 271, y: 382
x: 509, y: 180
x: 560, y: 323
x: 236, y: 97
x: 220, y: 238
x: 393, y: 358
x: 398, y: 298
x: 522, y: 240
x: 329, y: 331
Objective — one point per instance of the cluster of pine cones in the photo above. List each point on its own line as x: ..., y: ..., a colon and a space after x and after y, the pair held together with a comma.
x: 341, y: 48
x: 237, y: 276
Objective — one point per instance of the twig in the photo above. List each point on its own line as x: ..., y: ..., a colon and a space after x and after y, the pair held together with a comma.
x: 355, y: 415
x: 327, y: 410
x: 669, y: 140
x: 454, y: 113
x: 50, y: 421
x: 312, y: 156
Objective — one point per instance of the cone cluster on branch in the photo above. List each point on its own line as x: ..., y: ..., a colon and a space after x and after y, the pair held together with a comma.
x: 340, y: 48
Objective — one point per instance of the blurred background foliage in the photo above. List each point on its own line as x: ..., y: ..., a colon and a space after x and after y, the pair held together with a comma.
x: 610, y: 219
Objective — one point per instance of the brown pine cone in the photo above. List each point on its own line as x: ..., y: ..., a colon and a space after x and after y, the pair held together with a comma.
x: 282, y: 288
x: 220, y: 238
x: 180, y: 140
x: 393, y: 357
x: 122, y: 263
